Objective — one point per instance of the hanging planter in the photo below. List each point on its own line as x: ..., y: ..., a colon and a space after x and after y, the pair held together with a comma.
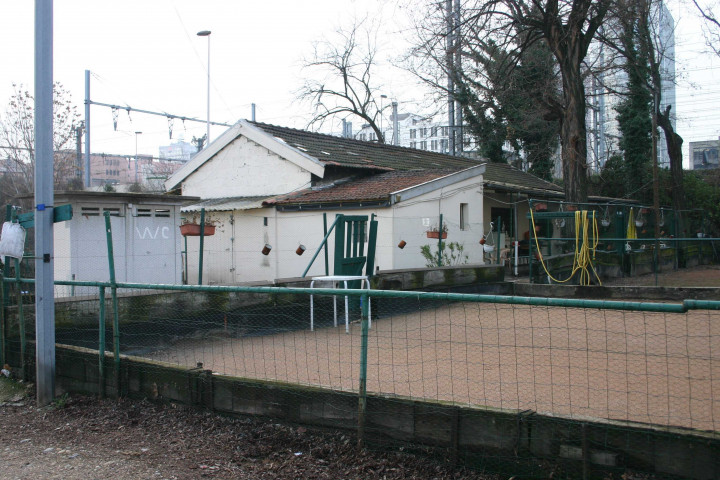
x: 193, y: 230
x: 540, y: 207
x: 435, y: 233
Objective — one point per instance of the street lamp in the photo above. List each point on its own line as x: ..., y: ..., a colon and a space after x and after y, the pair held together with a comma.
x: 206, y: 33
x: 381, y: 118
x: 136, y: 155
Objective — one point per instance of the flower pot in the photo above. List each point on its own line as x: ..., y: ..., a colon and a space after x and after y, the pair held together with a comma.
x: 436, y: 234
x: 540, y: 207
x: 266, y: 249
x: 300, y: 250
x: 482, y: 241
x: 193, y: 230
x: 402, y: 244
x: 488, y: 248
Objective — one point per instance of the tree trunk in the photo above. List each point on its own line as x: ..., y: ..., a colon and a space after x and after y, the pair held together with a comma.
x: 574, y: 136
x: 674, y: 145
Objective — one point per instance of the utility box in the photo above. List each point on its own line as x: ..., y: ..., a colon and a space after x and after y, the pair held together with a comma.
x: 145, y: 235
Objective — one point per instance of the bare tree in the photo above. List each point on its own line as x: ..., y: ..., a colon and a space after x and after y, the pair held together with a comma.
x: 711, y: 27
x: 343, y: 78
x: 567, y: 27
x: 17, y: 136
x: 649, y: 16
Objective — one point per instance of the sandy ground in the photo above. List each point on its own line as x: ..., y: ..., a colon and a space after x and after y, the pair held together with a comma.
x: 647, y: 367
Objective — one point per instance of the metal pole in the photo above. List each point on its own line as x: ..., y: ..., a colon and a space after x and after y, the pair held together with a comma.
x: 252, y: 110
x: 101, y: 344
x: 362, y: 395
x: 207, y: 142
x: 113, y: 290
x: 440, y: 239
x: 325, y: 232
x: 497, y: 243
x: 656, y: 187
x: 450, y: 84
x: 44, y: 274
x: 87, y: 128
x: 21, y: 322
x: 202, y: 245
x: 396, y: 134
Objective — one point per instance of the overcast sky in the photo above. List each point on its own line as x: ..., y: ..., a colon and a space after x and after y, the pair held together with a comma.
x: 146, y: 54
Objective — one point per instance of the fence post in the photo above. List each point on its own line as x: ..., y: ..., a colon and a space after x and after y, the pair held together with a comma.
x: 362, y: 396
x: 113, y: 290
x: 101, y: 344
x: 21, y: 321
x: 440, y: 239
x: 202, y: 245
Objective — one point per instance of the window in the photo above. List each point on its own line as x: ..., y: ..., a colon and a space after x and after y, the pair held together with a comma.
x: 433, y: 131
x: 444, y: 145
x: 445, y: 131
x: 423, y: 132
x: 413, y: 145
x: 434, y: 145
x: 413, y: 132
x: 464, y: 216
x: 423, y: 145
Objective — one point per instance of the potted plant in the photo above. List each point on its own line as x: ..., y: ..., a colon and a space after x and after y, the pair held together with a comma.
x: 434, y: 232
x: 191, y: 228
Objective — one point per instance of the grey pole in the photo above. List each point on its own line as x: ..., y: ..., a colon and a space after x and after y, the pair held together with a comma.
x: 87, y: 128
x: 206, y: 33
x: 253, y: 112
x: 44, y: 290
x: 396, y: 136
x: 450, y: 85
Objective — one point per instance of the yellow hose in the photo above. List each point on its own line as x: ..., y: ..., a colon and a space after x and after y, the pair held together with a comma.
x: 583, y: 259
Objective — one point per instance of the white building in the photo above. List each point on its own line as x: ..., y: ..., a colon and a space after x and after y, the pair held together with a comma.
x: 416, y: 131
x: 268, y: 185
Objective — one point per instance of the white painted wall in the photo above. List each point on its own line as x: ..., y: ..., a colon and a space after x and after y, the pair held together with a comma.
x: 244, y: 168
x: 146, y: 245
x: 233, y: 255
x: 414, y: 217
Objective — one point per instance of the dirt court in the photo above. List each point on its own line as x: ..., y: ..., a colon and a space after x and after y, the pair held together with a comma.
x: 655, y: 368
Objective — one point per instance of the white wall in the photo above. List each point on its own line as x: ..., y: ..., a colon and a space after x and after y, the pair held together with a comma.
x: 244, y: 168
x: 417, y: 215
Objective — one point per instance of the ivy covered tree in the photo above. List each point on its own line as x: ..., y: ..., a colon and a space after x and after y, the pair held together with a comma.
x: 635, y: 110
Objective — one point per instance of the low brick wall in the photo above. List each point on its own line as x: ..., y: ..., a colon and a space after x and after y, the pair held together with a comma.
x: 507, y: 440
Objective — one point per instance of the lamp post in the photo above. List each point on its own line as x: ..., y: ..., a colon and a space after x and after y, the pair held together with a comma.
x: 381, y: 118
x: 136, y: 155
x: 206, y: 33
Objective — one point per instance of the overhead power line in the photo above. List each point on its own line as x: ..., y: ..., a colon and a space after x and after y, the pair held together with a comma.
x: 129, y: 109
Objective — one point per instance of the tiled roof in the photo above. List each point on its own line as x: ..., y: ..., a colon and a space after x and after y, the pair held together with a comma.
x: 505, y: 176
x: 347, y: 152
x: 375, y: 188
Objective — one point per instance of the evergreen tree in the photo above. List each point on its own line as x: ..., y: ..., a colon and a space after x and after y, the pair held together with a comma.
x: 635, y: 113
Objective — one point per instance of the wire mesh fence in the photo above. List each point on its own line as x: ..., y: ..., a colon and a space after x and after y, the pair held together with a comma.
x: 660, y: 367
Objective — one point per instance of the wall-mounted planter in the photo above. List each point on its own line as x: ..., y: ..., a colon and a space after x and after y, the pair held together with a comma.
x: 193, y: 230
x: 436, y: 234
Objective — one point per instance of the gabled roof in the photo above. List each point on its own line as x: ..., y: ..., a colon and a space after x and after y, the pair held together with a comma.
x: 315, y: 151
x: 502, y: 176
x: 348, y: 152
x: 383, y: 189
x: 376, y: 188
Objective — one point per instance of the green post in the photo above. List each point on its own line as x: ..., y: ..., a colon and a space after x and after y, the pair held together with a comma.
x: 101, y: 344
x: 440, y: 241
x: 362, y: 396
x: 325, y: 234
x: 497, y: 243
x: 113, y: 290
x: 21, y: 321
x: 202, y: 244
x: 531, y: 233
